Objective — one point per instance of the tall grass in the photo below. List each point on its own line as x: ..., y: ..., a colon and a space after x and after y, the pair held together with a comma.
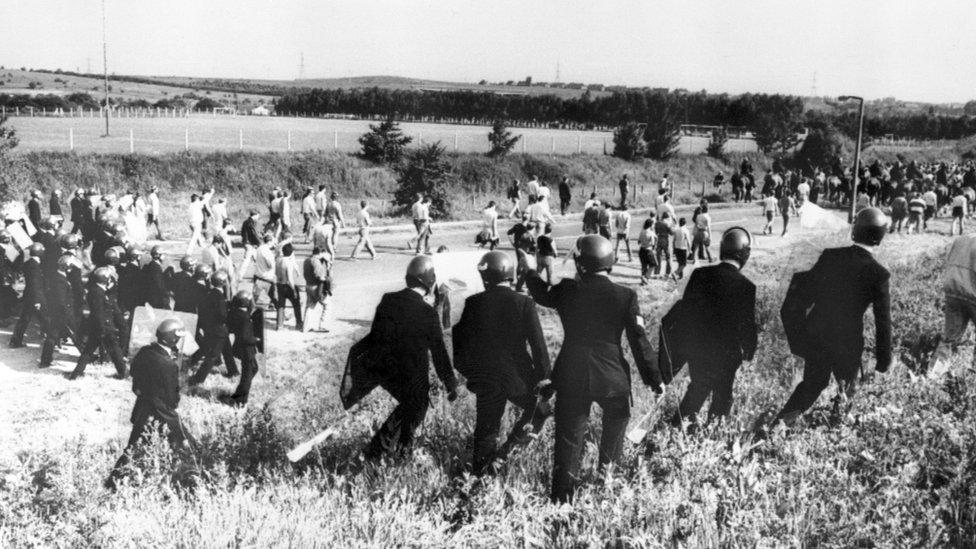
x: 898, y: 469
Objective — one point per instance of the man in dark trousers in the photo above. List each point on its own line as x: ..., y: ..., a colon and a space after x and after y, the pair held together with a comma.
x: 183, y: 288
x: 78, y: 207
x: 46, y: 236
x: 245, y: 346
x: 34, y: 299
x: 156, y: 383
x: 624, y: 191
x: 724, y: 329
x: 845, y: 282
x: 155, y: 292
x: 591, y: 367
x: 131, y: 290
x: 212, y: 321
x: 407, y: 333
x: 60, y: 312
x: 104, y: 323
x: 490, y: 344
x: 70, y: 252
x: 565, y: 195
x: 34, y: 208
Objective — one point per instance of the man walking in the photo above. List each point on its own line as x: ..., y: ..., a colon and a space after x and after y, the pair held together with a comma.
x: 624, y: 185
x: 407, y: 333
x: 845, y: 282
x: 365, y: 221
x: 212, y: 319
x: 104, y: 324
x: 33, y: 301
x: 960, y: 300
x: 591, y: 367
x: 565, y: 195
x: 245, y: 346
x: 490, y: 344
x: 152, y: 215
x: 724, y: 332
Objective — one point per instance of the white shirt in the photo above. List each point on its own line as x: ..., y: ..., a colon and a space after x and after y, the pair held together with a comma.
x: 154, y: 204
x: 681, y: 238
x: 803, y: 189
x: 488, y: 218
x: 533, y: 187
x: 959, y: 202
x: 420, y: 211
x: 588, y: 204
x: 321, y: 200
x: 769, y: 204
x: 930, y: 198
x: 622, y: 222
x: 363, y: 218
x: 308, y: 204
x: 196, y: 212
x: 264, y: 263
x: 665, y: 207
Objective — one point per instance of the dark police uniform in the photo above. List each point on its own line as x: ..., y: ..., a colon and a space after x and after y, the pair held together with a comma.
x: 186, y: 292
x: 104, y: 322
x: 154, y: 284
x: 245, y: 348
x: 847, y: 281
x: 215, y: 343
x: 155, y: 381
x: 490, y: 351
x: 33, y: 301
x: 407, y: 331
x: 61, y: 317
x: 591, y: 367
x: 722, y: 335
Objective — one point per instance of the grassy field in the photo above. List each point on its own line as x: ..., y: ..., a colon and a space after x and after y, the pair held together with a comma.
x: 897, y: 470
x: 201, y: 132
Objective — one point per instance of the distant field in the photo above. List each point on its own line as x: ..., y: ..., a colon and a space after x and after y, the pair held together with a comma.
x: 221, y: 133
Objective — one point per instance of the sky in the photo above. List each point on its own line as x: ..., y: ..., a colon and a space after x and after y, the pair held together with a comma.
x: 919, y: 51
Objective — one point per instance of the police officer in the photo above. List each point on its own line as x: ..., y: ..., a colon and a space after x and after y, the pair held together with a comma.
x: 46, y: 236
x: 212, y: 321
x: 104, y: 239
x: 590, y: 367
x: 156, y: 383
x: 245, y: 346
x: 104, y: 323
x: 490, y: 351
x: 154, y: 283
x: 130, y: 294
x: 845, y: 282
x: 70, y: 252
x: 33, y: 301
x: 61, y: 315
x: 405, y: 329
x: 181, y: 286
x: 724, y: 329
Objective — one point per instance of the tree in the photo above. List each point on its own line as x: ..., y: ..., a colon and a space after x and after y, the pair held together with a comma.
x: 8, y: 137
x: 662, y: 133
x: 969, y: 108
x: 207, y: 104
x: 424, y: 172
x: 384, y: 143
x: 501, y: 140
x: 774, y: 134
x: 716, y: 145
x: 628, y: 141
x: 823, y: 145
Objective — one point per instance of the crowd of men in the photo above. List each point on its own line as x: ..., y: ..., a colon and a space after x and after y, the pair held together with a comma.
x: 498, y: 345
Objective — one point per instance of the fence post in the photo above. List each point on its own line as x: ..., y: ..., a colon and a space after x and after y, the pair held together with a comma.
x: 579, y: 144
x: 524, y: 139
x: 289, y: 140
x: 335, y: 140
x: 553, y: 151
x: 71, y: 139
x: 132, y: 145
x: 420, y: 138
x: 186, y: 139
x: 240, y: 139
x: 455, y: 141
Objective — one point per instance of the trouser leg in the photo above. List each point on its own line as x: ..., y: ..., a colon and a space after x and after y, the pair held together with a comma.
x: 572, y: 415
x: 229, y: 361
x: 110, y: 342
x: 249, y: 368
x: 616, y: 415
x: 396, y: 434
x: 490, y: 409
x: 210, y: 349
x: 27, y: 313
x: 722, y: 393
x: 816, y: 376
x: 957, y: 316
x: 92, y: 343
x: 695, y: 396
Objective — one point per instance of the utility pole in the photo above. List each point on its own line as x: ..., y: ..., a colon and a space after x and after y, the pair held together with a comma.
x: 105, y: 67
x: 301, y: 66
x: 857, y: 151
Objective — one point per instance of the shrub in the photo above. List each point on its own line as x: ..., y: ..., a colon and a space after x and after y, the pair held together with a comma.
x: 661, y: 135
x: 716, y: 145
x: 501, y: 139
x: 628, y: 141
x: 207, y: 104
x: 384, y: 143
x: 426, y: 171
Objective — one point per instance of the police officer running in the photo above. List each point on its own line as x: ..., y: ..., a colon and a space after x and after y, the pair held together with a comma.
x: 723, y: 333
x: 405, y: 330
x: 490, y: 351
x: 591, y: 366
x: 34, y: 298
x: 104, y: 322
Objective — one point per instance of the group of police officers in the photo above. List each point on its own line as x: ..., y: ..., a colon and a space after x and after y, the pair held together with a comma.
x: 498, y: 344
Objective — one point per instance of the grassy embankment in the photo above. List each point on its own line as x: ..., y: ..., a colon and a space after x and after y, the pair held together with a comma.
x: 899, y: 469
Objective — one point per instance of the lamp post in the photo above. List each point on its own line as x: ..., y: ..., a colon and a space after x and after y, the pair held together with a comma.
x: 857, y: 150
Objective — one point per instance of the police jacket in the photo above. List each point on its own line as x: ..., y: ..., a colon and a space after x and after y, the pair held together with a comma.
x: 847, y: 281
x: 33, y: 282
x: 245, y: 342
x: 104, y: 317
x: 156, y: 383
x: 60, y: 301
x: 154, y: 285
x: 212, y: 316
x: 130, y: 286
x: 491, y: 341
x: 186, y: 292
x: 595, y: 312
x: 406, y: 330
x: 725, y: 325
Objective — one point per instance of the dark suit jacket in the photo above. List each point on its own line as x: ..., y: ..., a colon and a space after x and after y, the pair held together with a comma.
x: 595, y: 312
x: 78, y: 206
x: 212, y: 315
x: 34, y: 211
x: 154, y: 286
x: 406, y: 329
x: 848, y: 280
x: 490, y: 342
x: 249, y: 233
x: 52, y: 252
x: 185, y: 292
x: 131, y: 287
x: 54, y: 206
x: 60, y: 303
x: 245, y: 342
x: 33, y: 283
x: 104, y: 317
x: 156, y: 383
x: 725, y: 304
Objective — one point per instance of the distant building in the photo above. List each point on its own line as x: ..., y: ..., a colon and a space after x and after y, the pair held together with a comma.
x: 260, y: 110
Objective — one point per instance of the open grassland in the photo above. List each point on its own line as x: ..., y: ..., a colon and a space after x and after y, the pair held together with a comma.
x: 898, y: 469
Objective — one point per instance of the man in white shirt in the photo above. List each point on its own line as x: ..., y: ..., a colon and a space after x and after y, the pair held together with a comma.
x: 264, y: 271
x: 621, y: 223
x: 538, y: 217
x: 543, y: 197
x: 664, y: 206
x: 321, y: 201
x: 931, y: 206
x: 421, y: 221
x: 364, y: 221
x: 195, y: 213
x: 309, y: 213
x: 152, y: 216
x: 533, y: 187
x: 322, y: 236
x: 802, y: 193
